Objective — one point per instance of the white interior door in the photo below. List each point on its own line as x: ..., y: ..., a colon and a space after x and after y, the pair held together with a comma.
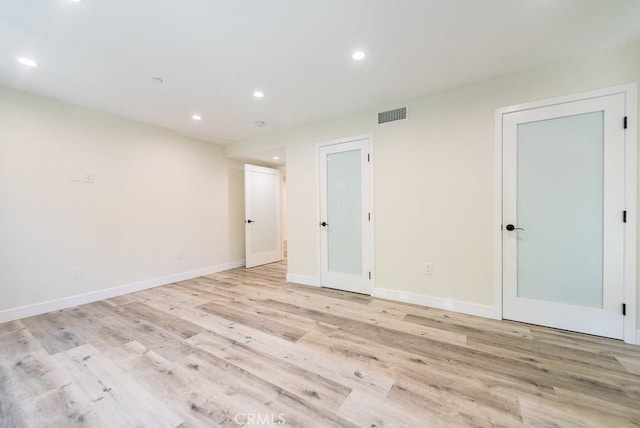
x: 345, y: 216
x: 563, y: 204
x: 263, y: 243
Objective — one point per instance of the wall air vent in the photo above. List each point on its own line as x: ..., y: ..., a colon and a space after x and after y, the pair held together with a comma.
x: 392, y: 115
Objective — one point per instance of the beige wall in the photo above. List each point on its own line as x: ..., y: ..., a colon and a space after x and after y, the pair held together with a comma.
x: 155, y: 194
x: 434, y: 176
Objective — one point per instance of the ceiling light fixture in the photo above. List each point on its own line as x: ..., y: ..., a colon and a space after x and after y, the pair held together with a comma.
x: 75, y: 1
x: 196, y: 117
x: 157, y: 80
x: 358, y: 55
x: 260, y: 123
x: 258, y: 94
x: 28, y: 62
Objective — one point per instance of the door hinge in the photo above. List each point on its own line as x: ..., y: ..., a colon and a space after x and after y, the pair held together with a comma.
x: 369, y: 274
x: 369, y: 156
x: 624, y: 309
x: 624, y: 216
x: 625, y: 122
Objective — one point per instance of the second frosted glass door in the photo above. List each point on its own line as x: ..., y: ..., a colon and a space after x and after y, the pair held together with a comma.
x: 344, y: 225
x: 563, y: 199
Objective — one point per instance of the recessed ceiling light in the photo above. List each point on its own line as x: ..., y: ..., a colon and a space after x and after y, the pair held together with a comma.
x: 358, y: 55
x: 28, y: 62
x: 75, y: 1
x: 258, y: 94
x: 276, y: 158
x: 157, y: 80
x: 196, y: 117
x: 260, y: 123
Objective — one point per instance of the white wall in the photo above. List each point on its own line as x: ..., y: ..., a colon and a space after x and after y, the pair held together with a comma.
x: 155, y: 194
x: 433, y: 174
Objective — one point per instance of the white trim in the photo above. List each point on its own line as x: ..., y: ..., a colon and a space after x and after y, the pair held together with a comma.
x: 453, y: 305
x: 94, y: 296
x: 638, y: 337
x: 372, y: 206
x: 303, y: 280
x: 344, y: 140
x: 631, y: 204
x: 629, y: 88
x: 631, y: 138
x: 497, y: 215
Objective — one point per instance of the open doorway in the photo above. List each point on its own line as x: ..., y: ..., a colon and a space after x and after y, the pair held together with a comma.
x: 263, y: 223
x: 266, y: 170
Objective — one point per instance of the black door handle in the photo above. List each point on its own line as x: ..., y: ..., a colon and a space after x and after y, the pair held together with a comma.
x: 511, y: 227
x: 250, y: 221
x: 324, y: 224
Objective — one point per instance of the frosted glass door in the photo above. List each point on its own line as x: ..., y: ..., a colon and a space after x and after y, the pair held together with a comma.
x: 262, y: 215
x: 344, y: 216
x: 344, y: 208
x: 563, y: 200
x: 560, y: 206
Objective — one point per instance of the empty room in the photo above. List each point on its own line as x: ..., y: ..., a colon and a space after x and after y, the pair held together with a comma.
x: 319, y: 213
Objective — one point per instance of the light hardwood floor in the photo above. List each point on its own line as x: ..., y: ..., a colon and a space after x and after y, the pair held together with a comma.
x: 245, y: 347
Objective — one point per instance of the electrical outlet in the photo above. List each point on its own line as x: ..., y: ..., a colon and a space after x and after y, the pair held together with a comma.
x: 428, y: 268
x: 88, y: 178
x: 75, y: 177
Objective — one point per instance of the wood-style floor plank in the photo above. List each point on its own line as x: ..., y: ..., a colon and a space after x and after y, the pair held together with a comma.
x: 114, y: 394
x: 305, y: 384
x: 52, y: 332
x: 11, y: 326
x: 288, y: 332
x: 245, y: 348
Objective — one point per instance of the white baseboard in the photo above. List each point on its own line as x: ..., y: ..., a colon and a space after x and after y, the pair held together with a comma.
x: 303, y: 279
x: 485, y: 311
x: 81, y: 299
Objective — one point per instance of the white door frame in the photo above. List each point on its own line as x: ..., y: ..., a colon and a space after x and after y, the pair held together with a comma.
x: 371, y: 258
x: 630, y: 92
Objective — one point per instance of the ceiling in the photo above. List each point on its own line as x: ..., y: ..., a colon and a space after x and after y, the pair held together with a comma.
x: 212, y: 55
